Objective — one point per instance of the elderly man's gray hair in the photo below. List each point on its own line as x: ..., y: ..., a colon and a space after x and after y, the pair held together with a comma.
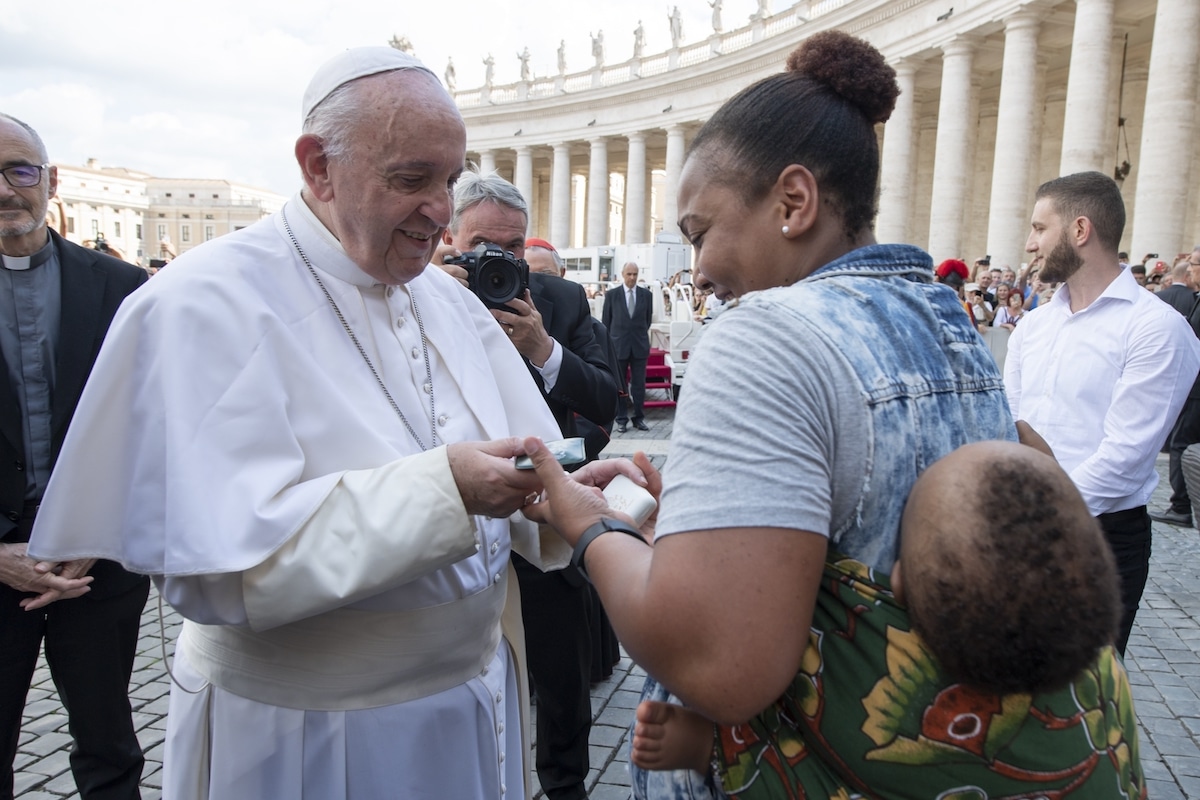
x: 335, y: 118
x: 558, y: 260
x: 473, y: 189
x: 38, y: 144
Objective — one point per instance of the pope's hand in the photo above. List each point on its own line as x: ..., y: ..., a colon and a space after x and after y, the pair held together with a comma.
x: 487, y: 480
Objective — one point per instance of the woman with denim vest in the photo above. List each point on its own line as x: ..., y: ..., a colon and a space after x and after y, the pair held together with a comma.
x: 838, y: 372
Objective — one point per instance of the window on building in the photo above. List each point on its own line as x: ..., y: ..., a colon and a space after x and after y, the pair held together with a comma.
x: 168, y: 194
x: 208, y: 216
x: 185, y: 233
x: 192, y: 194
x: 216, y: 197
x: 95, y: 227
x: 186, y: 216
x: 162, y: 232
x: 70, y: 224
x: 208, y: 233
x: 116, y: 230
x: 137, y: 232
x: 162, y: 216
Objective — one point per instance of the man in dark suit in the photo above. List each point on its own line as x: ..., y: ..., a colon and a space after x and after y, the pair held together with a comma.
x: 56, y: 302
x: 1187, y: 426
x: 552, y: 328
x: 627, y: 313
x: 1181, y: 294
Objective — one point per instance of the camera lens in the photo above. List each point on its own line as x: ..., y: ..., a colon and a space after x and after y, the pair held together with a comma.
x: 498, y: 281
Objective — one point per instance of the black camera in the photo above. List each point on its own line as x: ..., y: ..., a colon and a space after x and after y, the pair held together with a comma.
x: 494, y: 274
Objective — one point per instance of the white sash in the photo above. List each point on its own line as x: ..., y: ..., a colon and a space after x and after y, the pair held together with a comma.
x: 348, y: 659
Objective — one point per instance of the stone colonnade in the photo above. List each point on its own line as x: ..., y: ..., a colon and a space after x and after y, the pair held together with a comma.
x: 993, y: 102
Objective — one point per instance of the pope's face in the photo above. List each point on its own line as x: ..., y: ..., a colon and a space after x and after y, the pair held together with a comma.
x: 391, y: 190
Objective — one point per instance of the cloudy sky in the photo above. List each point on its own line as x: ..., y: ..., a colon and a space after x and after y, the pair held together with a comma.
x: 211, y: 89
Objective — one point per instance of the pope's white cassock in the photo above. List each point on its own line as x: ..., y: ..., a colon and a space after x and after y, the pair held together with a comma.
x: 343, y: 636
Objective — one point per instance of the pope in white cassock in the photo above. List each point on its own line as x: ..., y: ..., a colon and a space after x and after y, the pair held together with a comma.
x: 300, y: 432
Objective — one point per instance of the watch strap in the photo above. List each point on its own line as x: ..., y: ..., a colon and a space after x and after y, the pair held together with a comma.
x: 592, y: 533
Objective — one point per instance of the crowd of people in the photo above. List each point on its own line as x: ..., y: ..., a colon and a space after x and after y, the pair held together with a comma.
x: 309, y: 435
x: 999, y: 298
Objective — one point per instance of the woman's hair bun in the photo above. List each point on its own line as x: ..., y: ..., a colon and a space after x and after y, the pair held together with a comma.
x: 852, y: 68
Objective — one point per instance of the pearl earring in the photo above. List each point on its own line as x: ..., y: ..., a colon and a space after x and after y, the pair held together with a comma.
x: 785, y: 230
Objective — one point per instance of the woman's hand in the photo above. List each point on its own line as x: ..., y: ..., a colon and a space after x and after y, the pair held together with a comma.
x: 573, y: 503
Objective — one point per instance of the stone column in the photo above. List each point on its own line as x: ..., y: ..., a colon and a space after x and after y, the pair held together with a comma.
x: 523, y: 175
x: 675, y: 145
x: 1086, y: 125
x: 487, y: 162
x: 950, y: 169
x: 1012, y: 199
x: 597, y: 202
x: 1169, y: 132
x: 560, y: 196
x: 895, y: 192
x: 635, y: 190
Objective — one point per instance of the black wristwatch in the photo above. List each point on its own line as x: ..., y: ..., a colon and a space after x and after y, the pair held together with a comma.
x: 603, y: 526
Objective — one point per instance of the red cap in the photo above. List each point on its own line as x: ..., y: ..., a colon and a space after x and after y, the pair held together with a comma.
x: 952, y: 265
x: 542, y: 243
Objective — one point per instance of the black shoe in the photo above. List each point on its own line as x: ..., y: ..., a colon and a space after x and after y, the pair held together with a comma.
x: 641, y: 425
x: 622, y: 427
x: 1172, y: 517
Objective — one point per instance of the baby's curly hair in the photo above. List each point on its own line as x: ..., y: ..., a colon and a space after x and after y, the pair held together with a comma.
x: 820, y: 113
x: 1021, y: 601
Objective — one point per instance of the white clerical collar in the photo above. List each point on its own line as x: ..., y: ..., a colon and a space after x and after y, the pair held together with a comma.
x: 321, y: 246
x: 22, y: 263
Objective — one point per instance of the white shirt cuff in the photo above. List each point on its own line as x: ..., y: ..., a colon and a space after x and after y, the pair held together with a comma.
x: 549, y: 370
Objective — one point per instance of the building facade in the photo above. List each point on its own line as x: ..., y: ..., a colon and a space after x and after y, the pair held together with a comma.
x: 185, y: 212
x: 108, y: 203
x: 142, y: 217
x: 997, y: 97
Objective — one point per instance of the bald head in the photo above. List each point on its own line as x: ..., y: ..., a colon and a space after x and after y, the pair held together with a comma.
x: 629, y: 273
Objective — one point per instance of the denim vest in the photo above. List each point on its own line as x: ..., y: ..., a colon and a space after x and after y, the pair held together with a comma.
x: 928, y: 382
x: 928, y: 385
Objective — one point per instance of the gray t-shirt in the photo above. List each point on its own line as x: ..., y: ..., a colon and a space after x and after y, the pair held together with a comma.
x: 771, y: 430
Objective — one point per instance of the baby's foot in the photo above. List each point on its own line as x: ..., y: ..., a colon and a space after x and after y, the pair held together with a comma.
x: 668, y: 737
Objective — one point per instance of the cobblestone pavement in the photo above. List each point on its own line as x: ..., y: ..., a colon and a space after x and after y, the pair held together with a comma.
x: 1163, y: 662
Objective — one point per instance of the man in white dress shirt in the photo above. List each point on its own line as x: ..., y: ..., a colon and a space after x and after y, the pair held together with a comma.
x: 1102, y: 369
x: 305, y: 437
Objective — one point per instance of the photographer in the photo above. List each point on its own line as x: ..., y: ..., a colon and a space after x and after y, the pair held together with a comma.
x: 551, y: 326
x: 981, y: 309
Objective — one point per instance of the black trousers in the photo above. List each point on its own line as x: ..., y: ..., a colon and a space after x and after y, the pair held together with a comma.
x: 1185, y: 432
x: 1128, y: 534
x: 636, y: 368
x: 90, y: 645
x: 558, y: 645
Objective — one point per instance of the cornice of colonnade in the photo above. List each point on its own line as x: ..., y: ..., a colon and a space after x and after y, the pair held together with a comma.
x: 905, y: 31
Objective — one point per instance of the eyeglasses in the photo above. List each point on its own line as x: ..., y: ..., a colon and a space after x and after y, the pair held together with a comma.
x: 23, y: 176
